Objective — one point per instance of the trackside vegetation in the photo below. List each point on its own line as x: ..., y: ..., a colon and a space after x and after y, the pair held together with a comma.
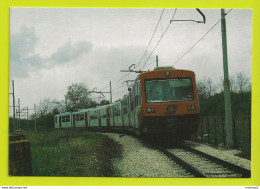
x: 72, y: 153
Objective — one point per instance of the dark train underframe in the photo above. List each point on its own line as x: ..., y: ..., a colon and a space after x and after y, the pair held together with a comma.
x: 177, y: 127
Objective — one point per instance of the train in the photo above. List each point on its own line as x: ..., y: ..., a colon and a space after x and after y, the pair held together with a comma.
x: 162, y: 102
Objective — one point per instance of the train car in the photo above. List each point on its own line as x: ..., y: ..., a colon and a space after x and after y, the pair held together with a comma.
x: 125, y: 105
x: 80, y: 118
x: 57, y: 121
x: 169, y: 103
x: 102, y: 116
x: 93, y: 117
x: 116, y: 114
x: 63, y: 120
x: 162, y: 102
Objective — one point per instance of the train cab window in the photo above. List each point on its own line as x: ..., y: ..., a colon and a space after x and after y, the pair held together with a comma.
x: 179, y: 89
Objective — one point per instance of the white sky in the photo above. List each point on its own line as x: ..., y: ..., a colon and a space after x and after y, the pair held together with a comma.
x: 51, y: 48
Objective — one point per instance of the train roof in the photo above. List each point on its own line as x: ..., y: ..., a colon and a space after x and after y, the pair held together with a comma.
x: 165, y: 69
x: 65, y: 113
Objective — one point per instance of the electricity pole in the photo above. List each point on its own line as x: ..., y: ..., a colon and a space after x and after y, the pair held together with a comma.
x: 228, y: 114
x: 110, y: 93
x: 13, y: 104
x: 27, y: 125
x: 156, y: 61
x: 35, y: 118
x: 19, y: 113
x: 101, y: 92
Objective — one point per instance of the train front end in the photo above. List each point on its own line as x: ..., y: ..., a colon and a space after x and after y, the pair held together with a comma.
x: 170, y: 105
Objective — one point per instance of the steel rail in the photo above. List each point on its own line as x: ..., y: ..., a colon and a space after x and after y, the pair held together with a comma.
x: 246, y: 173
x: 184, y: 164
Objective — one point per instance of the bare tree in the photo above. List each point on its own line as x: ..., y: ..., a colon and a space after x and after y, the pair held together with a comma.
x: 242, y: 83
x: 206, y: 88
x: 44, y: 107
x: 232, y: 83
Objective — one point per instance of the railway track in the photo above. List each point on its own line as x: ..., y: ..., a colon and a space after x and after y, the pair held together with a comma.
x: 204, y: 165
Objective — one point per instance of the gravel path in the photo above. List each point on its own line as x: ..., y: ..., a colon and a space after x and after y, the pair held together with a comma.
x: 140, y: 161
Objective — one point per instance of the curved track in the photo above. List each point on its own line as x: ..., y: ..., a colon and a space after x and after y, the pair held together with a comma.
x: 202, y: 165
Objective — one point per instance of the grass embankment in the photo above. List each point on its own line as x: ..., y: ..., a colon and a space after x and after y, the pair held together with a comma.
x: 72, y: 153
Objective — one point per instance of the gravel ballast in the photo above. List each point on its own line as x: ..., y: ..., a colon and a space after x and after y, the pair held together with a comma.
x: 141, y: 161
x: 222, y: 154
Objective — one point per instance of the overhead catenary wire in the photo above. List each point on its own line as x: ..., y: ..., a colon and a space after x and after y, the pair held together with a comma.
x: 148, y: 46
x: 159, y: 39
x: 199, y: 40
x: 115, y: 82
x: 144, y: 66
x: 151, y: 38
x: 196, y: 42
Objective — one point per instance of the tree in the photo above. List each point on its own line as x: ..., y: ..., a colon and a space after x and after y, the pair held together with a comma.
x: 239, y: 83
x: 242, y: 83
x: 59, y: 106
x: 104, y: 102
x: 47, y: 105
x: 206, y: 88
x: 232, y: 84
x: 44, y: 107
x: 78, y: 97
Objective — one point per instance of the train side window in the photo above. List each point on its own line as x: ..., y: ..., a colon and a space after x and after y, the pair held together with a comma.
x: 77, y: 117
x: 63, y: 119
x: 81, y: 117
x: 67, y: 118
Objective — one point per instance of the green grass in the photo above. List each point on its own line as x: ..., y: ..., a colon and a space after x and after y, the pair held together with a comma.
x: 72, y: 153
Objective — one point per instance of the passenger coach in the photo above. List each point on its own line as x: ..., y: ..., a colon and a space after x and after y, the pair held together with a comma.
x: 162, y: 102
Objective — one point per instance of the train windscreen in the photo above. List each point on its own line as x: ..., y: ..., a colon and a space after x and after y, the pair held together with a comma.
x: 166, y: 90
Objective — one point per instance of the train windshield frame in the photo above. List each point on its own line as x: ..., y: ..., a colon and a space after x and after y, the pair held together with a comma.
x: 169, y: 90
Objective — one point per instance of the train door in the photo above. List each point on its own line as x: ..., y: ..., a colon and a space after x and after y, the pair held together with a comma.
x: 74, y: 120
x: 122, y: 113
x: 138, y: 102
x: 86, y: 119
x: 59, y: 121
x: 132, y: 106
x: 111, y: 117
x: 108, y: 115
x: 134, y: 93
x: 99, y: 117
x: 129, y: 110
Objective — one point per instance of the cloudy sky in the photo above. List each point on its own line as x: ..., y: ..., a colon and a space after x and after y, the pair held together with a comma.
x: 51, y: 48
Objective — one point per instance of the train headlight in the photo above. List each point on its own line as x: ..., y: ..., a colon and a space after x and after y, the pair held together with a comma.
x: 167, y: 73
x: 191, y: 107
x: 151, y: 110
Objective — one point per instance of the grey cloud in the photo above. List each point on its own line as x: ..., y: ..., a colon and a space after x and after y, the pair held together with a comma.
x: 23, y: 43
x: 23, y: 59
x: 69, y: 52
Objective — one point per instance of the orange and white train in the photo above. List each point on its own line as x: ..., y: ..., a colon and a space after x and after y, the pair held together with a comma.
x: 162, y: 102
